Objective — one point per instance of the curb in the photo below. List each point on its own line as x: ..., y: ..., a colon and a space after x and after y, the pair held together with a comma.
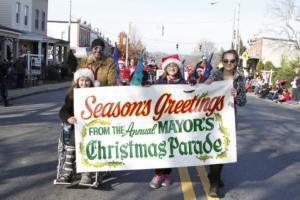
x: 283, y: 104
x: 36, y: 92
x: 16, y: 94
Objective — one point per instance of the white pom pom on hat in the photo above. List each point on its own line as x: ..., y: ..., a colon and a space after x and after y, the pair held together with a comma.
x: 171, y: 59
x: 96, y: 83
x: 121, y: 61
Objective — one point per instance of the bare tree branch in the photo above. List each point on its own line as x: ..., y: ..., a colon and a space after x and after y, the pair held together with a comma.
x: 288, y: 14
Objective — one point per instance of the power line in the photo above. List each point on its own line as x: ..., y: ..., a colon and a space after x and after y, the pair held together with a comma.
x: 172, y: 22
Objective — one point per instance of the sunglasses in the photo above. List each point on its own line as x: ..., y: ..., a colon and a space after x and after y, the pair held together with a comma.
x: 98, y: 48
x: 228, y: 61
x: 172, y: 66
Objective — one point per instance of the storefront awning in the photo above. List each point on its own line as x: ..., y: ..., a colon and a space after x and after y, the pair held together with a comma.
x: 9, y: 32
x: 30, y: 36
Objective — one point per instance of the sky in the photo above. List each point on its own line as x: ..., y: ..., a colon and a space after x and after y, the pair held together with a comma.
x: 185, y: 22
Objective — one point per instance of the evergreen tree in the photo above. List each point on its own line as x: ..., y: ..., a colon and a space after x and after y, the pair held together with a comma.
x: 260, y: 66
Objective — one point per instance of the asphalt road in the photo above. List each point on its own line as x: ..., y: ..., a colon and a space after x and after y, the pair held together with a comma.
x: 268, y: 164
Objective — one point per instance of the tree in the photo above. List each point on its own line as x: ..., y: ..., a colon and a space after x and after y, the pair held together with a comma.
x: 242, y: 47
x: 122, y: 44
x: 205, y: 47
x: 260, y: 66
x: 268, y: 66
x: 285, y: 72
x: 287, y: 12
x: 135, y: 45
x: 295, y: 63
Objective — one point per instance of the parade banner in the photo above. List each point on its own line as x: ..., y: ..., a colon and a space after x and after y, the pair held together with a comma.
x: 161, y: 126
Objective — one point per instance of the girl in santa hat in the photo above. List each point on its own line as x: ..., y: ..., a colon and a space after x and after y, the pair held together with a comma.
x: 83, y: 78
x: 200, y: 70
x: 172, y: 75
x: 124, y: 74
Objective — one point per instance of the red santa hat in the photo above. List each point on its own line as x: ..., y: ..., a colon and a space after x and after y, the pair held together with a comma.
x: 86, y: 72
x: 170, y: 59
x: 121, y: 61
x: 200, y: 68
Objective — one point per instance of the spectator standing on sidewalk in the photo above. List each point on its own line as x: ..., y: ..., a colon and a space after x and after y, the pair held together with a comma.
x: 103, y: 66
x: 21, y: 70
x: 296, y: 95
x: 72, y: 61
x: 296, y: 86
x: 230, y: 60
x: 3, y: 86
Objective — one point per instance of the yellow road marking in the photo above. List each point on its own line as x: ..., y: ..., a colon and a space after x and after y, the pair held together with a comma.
x: 186, y: 184
x: 205, y: 182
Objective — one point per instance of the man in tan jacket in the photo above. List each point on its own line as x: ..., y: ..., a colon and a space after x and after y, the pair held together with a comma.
x: 103, y: 66
x: 105, y: 72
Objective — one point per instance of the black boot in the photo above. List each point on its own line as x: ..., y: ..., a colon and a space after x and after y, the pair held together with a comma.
x: 220, y: 182
x: 214, y: 189
x: 215, y: 180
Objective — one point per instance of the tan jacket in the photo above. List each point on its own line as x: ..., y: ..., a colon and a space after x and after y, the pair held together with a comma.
x: 104, y: 69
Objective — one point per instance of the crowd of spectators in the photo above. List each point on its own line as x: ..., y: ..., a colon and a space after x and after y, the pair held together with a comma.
x: 277, y: 92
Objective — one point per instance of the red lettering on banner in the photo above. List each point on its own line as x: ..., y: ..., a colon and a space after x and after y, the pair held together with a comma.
x: 114, y: 109
x: 164, y: 104
x: 88, y: 108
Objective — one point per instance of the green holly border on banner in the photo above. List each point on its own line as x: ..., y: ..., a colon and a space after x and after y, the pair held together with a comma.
x: 226, y: 140
x: 85, y: 162
x: 224, y: 131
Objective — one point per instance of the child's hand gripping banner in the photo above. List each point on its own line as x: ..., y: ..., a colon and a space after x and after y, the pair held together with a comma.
x: 162, y: 126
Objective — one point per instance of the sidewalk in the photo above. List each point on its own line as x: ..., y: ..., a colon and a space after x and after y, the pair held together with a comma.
x: 18, y: 93
x: 284, y: 104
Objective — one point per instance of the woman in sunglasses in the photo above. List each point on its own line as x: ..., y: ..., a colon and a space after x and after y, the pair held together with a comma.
x: 230, y: 60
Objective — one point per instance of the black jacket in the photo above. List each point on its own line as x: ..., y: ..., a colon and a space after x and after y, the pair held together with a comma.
x: 67, y: 109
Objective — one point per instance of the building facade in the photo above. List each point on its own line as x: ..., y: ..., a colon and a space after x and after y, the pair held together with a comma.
x: 29, y: 17
x: 272, y: 49
x: 8, y: 43
x: 81, y: 36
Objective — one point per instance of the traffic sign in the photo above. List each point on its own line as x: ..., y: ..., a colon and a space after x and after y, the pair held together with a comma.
x: 245, y: 56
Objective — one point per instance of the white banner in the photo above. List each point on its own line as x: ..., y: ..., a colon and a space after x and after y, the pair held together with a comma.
x: 161, y: 126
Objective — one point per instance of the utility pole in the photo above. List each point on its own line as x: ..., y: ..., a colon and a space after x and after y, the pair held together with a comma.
x: 238, y: 31
x: 69, y: 28
x: 127, y: 45
x: 233, y: 31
